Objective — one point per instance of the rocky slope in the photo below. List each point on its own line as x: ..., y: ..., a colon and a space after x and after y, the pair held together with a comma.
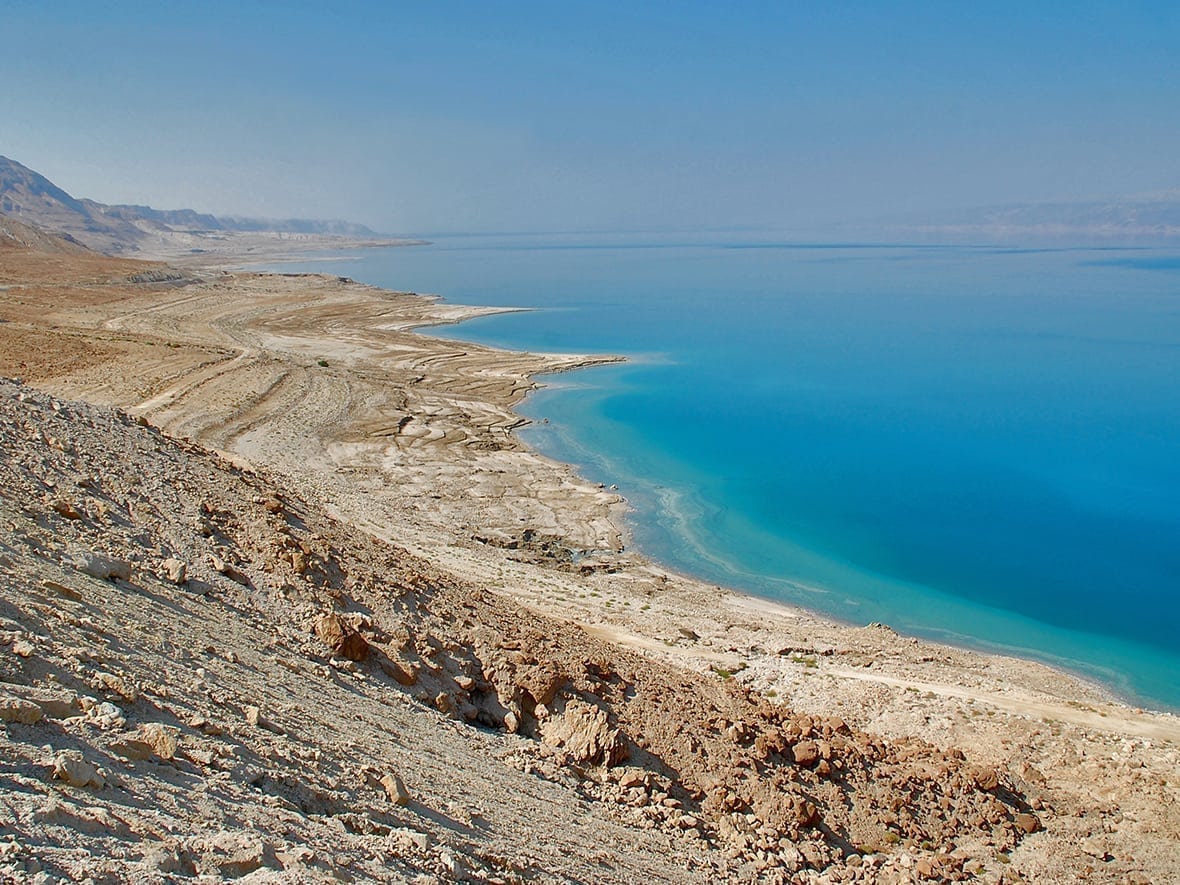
x: 186, y: 641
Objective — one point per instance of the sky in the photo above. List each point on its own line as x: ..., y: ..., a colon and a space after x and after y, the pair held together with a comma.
x: 422, y: 117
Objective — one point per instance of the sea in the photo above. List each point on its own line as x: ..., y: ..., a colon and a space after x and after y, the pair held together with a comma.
x: 977, y: 444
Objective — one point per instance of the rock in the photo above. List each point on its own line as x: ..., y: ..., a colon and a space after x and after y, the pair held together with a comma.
x: 175, y: 571
x: 399, y: 672
x: 234, y: 854
x: 804, y: 812
x: 107, y: 716
x: 633, y: 777
x: 120, y: 686
x: 1029, y: 823
x: 255, y: 717
x: 66, y: 508
x: 806, y: 753
x: 511, y: 723
x: 61, y: 589
x: 132, y: 749
x: 98, y: 566
x: 162, y: 859
x: 341, y: 638
x: 584, y: 733
x: 225, y: 568
x: 14, y: 709
x: 56, y: 704
x: 22, y: 648
x: 163, y: 739
x: 985, y: 778
x: 395, y: 789
x: 70, y: 766
x: 541, y: 682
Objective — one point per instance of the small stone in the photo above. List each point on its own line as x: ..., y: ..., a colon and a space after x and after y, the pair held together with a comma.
x: 66, y: 508
x: 395, y: 789
x: 511, y: 723
x: 402, y: 674
x: 985, y: 778
x: 225, y: 568
x: 466, y: 683
x: 1029, y: 823
x: 632, y: 777
x: 70, y: 766
x: 22, y: 648
x: 255, y: 717
x: 175, y: 571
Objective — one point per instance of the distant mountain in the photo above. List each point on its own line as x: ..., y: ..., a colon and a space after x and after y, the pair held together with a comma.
x: 297, y: 226
x: 31, y: 197
x: 1151, y: 219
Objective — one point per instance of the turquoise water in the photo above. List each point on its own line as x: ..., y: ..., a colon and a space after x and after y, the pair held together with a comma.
x: 980, y: 445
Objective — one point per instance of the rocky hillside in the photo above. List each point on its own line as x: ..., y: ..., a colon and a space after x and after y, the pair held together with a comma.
x: 120, y: 229
x: 199, y: 673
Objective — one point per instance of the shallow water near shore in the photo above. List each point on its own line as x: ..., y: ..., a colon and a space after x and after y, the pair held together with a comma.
x: 975, y: 444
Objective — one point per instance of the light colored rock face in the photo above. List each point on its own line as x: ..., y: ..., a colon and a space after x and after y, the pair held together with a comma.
x: 98, y: 566
x: 501, y: 721
x: 70, y: 766
x: 584, y: 734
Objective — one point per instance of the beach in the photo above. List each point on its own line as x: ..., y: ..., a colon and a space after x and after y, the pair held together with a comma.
x: 324, y: 382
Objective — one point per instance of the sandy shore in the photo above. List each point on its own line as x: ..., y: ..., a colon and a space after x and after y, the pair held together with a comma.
x: 410, y: 438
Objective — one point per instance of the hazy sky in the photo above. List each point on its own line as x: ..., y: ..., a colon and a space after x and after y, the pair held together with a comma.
x: 435, y: 116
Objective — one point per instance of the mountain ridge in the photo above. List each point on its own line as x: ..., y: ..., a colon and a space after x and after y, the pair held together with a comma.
x: 31, y: 198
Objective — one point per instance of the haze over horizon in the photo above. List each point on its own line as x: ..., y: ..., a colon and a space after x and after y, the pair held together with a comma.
x: 461, y: 117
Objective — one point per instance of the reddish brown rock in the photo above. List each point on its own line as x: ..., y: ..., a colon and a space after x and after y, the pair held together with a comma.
x: 341, y: 638
x: 1028, y: 823
x: 806, y: 753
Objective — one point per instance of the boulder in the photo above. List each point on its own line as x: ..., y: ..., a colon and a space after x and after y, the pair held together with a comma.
x: 70, y: 766
x: 395, y: 789
x: 584, y: 733
x: 342, y: 638
x: 14, y: 709
x: 806, y: 753
x: 98, y: 566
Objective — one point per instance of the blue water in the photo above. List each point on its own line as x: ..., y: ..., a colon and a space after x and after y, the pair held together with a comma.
x: 980, y: 445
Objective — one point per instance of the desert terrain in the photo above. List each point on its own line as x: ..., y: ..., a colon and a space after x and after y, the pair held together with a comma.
x: 284, y: 599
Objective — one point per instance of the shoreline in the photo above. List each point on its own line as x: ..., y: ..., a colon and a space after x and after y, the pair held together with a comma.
x: 1076, y: 670
x: 409, y: 438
